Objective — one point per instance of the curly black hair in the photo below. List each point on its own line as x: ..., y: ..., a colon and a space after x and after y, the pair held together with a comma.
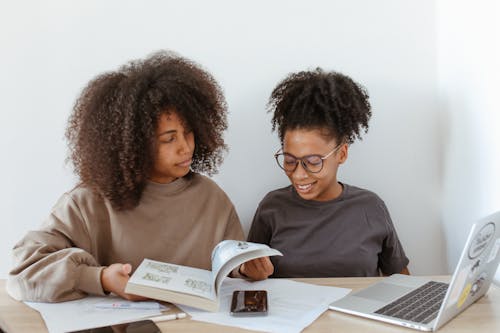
x: 328, y: 101
x: 111, y: 132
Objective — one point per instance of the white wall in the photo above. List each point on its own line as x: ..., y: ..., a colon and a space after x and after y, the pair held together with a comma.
x: 469, y: 78
x: 51, y: 49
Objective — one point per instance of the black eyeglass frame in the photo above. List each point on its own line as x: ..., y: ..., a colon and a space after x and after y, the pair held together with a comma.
x: 303, y: 158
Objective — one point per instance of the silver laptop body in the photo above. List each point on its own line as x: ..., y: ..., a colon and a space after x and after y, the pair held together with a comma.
x: 390, y: 300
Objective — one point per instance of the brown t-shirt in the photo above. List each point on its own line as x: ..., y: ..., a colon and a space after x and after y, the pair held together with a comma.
x: 352, y: 235
x: 180, y: 223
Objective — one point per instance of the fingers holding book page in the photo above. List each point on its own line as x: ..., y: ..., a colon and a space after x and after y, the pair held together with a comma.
x: 257, y: 269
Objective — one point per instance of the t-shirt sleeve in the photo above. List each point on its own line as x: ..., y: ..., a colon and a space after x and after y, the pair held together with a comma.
x: 392, y: 258
x: 54, y: 264
x: 260, y: 231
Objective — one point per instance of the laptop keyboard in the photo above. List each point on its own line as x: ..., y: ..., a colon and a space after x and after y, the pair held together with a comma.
x: 421, y: 305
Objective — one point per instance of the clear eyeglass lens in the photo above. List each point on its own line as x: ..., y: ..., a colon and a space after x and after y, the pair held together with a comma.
x: 314, y: 163
x: 287, y: 162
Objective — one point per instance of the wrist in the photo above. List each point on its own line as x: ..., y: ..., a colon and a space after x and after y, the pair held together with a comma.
x: 103, y: 282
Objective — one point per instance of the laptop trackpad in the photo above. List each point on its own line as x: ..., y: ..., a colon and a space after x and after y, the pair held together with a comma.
x: 384, y: 292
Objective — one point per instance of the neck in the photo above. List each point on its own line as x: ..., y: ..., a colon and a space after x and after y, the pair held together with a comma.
x: 334, y: 193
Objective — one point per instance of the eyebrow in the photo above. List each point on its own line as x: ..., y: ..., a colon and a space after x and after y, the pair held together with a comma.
x: 167, y: 132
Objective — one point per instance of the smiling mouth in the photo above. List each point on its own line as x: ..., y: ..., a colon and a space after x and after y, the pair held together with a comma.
x: 304, y: 188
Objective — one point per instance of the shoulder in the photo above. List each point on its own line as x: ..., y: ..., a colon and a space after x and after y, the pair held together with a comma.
x: 80, y: 198
x: 371, y: 202
x: 80, y: 204
x: 362, y: 195
x: 372, y: 205
x: 201, y: 185
x: 277, y: 196
x: 82, y: 195
x: 198, y: 179
x: 202, y: 182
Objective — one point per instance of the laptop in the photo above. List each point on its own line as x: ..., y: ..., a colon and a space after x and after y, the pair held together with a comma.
x: 427, y: 305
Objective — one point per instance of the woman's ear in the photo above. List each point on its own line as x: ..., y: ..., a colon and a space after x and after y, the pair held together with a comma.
x: 343, y: 153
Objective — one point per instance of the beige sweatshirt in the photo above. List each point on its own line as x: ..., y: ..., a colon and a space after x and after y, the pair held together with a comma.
x: 179, y: 223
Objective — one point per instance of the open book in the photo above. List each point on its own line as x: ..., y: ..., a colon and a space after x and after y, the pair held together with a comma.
x: 193, y: 286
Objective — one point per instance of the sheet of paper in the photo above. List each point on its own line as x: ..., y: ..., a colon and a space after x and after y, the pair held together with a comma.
x: 123, y: 304
x: 83, y: 313
x: 292, y: 305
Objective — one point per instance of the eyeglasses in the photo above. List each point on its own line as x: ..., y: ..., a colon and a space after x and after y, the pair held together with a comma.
x: 311, y: 163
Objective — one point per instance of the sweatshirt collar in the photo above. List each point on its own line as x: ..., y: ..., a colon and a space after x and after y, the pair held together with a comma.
x: 168, y: 189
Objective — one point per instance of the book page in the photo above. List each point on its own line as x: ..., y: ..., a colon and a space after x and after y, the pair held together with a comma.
x: 229, y: 254
x: 178, y: 278
x: 228, y: 249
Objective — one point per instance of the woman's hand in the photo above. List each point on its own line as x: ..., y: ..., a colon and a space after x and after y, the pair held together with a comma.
x: 257, y: 269
x: 114, y: 278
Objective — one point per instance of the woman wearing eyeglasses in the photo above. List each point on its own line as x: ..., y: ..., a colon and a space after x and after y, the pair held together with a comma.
x: 323, y: 227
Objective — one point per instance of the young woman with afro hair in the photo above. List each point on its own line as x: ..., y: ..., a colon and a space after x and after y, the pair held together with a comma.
x: 323, y: 227
x: 138, y: 138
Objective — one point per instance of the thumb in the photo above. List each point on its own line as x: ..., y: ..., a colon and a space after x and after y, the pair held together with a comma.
x: 126, y: 269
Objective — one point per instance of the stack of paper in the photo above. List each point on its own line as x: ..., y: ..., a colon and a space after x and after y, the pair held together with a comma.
x: 292, y: 305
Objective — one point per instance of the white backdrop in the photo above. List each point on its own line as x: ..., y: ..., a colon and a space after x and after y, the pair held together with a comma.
x: 51, y: 49
x: 468, y: 81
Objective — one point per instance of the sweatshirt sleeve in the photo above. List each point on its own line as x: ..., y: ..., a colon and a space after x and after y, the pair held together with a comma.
x: 55, y: 264
x: 233, y: 228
